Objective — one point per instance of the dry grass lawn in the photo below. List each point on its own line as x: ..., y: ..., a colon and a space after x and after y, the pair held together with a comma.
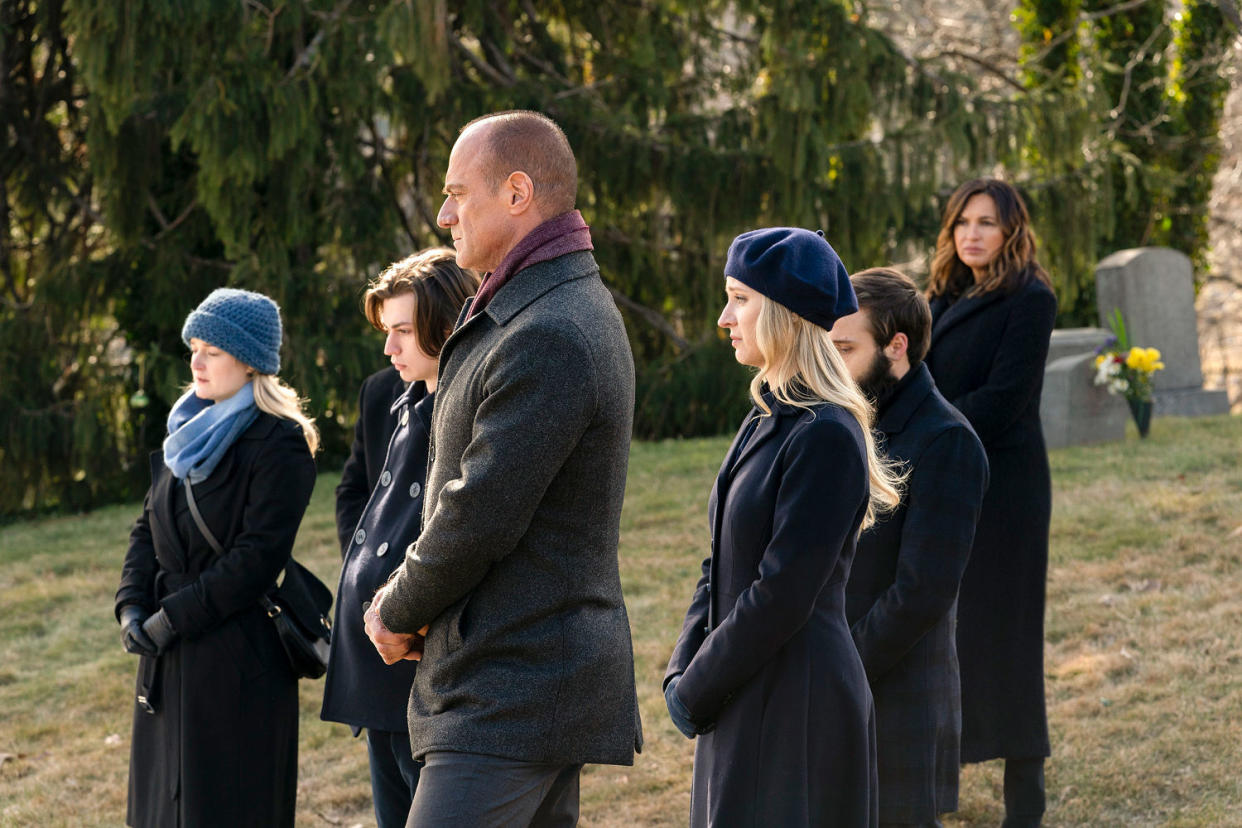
x: 1143, y: 658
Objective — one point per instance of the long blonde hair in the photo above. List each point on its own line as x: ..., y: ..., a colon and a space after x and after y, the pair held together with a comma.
x: 274, y: 397
x: 802, y: 368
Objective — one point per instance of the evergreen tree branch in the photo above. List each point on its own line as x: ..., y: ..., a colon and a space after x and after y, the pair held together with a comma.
x: 307, y: 56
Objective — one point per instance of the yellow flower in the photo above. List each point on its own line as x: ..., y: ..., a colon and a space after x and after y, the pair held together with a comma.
x: 1145, y: 360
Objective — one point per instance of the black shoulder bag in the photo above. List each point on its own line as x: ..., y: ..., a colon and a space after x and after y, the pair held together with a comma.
x: 298, y: 606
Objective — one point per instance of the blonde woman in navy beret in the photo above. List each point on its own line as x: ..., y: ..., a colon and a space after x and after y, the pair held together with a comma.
x: 765, y: 673
x: 215, y: 731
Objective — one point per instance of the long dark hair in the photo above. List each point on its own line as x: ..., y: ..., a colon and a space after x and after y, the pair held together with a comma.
x: 1014, y: 265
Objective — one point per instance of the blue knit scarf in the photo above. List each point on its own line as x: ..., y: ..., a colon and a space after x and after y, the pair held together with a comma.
x: 200, y: 431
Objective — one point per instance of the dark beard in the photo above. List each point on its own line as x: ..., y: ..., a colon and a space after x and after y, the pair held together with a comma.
x: 878, y: 382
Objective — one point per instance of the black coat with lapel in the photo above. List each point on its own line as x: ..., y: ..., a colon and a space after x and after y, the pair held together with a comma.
x: 372, y: 432
x: 360, y: 689
x: 900, y: 598
x: 765, y: 653
x: 987, y: 357
x: 222, y: 747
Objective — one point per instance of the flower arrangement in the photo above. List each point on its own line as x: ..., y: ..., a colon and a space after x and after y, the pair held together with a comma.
x: 1127, y: 370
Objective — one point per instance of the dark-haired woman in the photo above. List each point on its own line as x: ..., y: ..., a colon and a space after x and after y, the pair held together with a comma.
x: 993, y: 310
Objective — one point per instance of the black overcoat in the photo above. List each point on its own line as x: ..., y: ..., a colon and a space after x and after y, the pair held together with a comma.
x: 221, y: 748
x: 987, y: 357
x: 372, y: 432
x: 360, y: 689
x: 900, y: 598
x: 765, y: 653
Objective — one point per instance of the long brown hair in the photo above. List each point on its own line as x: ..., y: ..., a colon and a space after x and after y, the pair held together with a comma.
x: 1014, y: 265
x: 440, y: 289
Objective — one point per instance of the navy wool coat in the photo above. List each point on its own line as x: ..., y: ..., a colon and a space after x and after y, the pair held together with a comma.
x: 528, y: 655
x: 765, y: 654
x: 901, y: 598
x: 222, y: 747
x: 987, y: 357
x: 372, y: 432
x: 360, y: 690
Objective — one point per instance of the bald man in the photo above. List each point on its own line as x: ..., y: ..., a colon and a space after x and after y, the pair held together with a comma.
x: 527, y: 667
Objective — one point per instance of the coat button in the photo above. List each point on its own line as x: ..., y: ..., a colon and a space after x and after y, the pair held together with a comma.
x: 383, y: 549
x: 385, y: 478
x: 415, y: 489
x: 360, y: 536
x: 405, y: 416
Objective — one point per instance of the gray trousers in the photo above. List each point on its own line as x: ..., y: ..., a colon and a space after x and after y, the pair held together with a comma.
x: 475, y: 790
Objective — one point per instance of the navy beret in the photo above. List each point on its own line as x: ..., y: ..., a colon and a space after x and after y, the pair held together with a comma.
x: 795, y: 268
x: 241, y: 323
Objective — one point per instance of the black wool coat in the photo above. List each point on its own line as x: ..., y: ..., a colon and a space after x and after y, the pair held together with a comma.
x: 901, y: 594
x: 374, y: 428
x: 987, y: 357
x: 360, y: 689
x: 765, y: 654
x: 221, y: 748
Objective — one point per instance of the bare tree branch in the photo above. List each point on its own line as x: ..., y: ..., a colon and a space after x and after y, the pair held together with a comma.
x: 479, y: 63
x: 652, y: 317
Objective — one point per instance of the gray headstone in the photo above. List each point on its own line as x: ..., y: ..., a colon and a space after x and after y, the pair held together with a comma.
x: 1154, y: 288
x: 1073, y: 409
x: 1068, y: 341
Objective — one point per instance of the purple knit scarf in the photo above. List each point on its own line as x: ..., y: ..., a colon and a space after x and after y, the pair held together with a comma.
x: 566, y: 233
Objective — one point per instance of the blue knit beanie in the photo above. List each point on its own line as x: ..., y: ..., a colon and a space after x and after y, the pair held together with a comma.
x: 795, y: 268
x: 243, y: 323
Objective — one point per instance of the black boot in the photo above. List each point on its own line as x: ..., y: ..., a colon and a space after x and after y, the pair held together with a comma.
x: 1024, y: 793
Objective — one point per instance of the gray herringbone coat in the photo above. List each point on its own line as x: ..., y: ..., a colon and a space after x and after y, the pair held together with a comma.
x: 529, y: 654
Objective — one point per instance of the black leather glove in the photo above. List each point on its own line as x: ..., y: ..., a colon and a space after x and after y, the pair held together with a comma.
x: 132, y: 637
x: 160, y: 630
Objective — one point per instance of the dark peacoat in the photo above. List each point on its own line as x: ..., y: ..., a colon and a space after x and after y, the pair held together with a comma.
x: 900, y: 598
x: 765, y: 654
x: 221, y: 748
x: 376, y: 422
x: 360, y: 690
x: 528, y: 656
x: 987, y: 357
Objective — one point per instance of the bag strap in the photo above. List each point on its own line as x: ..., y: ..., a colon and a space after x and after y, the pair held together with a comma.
x: 198, y: 519
x: 272, y: 609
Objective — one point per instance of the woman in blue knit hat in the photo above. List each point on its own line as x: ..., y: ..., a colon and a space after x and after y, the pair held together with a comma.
x: 765, y: 673
x: 216, y: 712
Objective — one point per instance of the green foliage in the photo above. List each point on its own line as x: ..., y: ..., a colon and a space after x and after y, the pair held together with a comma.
x: 161, y: 149
x: 1201, y: 37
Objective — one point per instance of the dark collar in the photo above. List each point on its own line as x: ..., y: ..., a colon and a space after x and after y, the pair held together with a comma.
x: 905, y: 399
x: 414, y: 392
x: 963, y: 308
